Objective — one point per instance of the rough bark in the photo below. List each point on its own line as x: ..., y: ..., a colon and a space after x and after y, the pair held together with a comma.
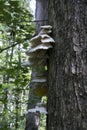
x: 33, y: 119
x: 67, y: 98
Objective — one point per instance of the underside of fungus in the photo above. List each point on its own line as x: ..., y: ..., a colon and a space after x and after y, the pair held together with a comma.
x: 37, y: 59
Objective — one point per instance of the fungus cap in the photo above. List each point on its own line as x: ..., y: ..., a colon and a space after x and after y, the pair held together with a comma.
x: 46, y: 27
x: 43, y: 47
x: 46, y: 39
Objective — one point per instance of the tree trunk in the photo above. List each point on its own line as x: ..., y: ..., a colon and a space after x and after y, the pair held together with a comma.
x: 67, y: 98
x: 33, y: 119
x: 41, y: 13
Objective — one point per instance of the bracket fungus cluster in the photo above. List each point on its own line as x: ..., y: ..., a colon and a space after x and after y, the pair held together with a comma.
x: 37, y: 59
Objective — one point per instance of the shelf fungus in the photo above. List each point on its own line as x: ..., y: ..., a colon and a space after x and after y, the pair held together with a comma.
x: 40, y: 107
x: 37, y: 59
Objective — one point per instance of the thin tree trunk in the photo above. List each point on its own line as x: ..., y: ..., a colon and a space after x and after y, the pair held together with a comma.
x: 67, y: 98
x: 17, y: 94
x: 16, y: 108
x: 5, y: 80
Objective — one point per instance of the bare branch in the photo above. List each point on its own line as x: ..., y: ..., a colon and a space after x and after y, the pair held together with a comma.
x: 1, y: 50
x: 38, y: 20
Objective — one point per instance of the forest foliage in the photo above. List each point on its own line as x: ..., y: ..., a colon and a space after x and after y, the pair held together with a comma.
x: 16, y: 29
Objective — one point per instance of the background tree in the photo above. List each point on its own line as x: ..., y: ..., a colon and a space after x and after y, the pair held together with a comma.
x: 67, y: 98
x: 15, y: 31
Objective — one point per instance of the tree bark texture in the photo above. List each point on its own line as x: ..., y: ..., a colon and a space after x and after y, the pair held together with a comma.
x: 33, y: 119
x: 67, y: 98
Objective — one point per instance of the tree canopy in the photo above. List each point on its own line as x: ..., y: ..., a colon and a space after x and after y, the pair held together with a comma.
x: 16, y: 28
